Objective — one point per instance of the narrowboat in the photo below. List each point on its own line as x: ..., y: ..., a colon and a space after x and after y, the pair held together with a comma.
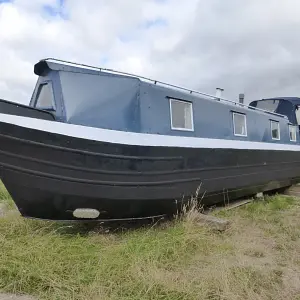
x: 97, y: 144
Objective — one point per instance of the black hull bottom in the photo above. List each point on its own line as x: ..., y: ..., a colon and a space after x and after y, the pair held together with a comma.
x: 49, y: 175
x: 39, y: 202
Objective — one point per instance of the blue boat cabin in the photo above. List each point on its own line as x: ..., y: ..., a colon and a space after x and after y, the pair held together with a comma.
x: 108, y: 100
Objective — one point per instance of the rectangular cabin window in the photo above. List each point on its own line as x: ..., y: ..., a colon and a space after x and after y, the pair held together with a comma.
x: 298, y: 114
x: 239, y: 124
x: 45, y: 99
x: 181, y: 115
x: 275, y: 130
x: 293, y: 133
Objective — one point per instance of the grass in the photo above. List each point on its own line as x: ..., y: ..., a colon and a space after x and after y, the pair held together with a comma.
x: 258, y: 257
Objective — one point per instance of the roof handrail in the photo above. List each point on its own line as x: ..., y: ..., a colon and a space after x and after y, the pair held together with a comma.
x: 162, y: 83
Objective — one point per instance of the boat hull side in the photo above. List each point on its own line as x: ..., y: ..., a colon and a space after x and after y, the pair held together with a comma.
x: 51, y: 175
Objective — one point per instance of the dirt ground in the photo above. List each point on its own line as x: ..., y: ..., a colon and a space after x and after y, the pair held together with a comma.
x: 256, y: 257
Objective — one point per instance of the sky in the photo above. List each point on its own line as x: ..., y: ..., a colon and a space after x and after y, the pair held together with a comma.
x: 249, y: 46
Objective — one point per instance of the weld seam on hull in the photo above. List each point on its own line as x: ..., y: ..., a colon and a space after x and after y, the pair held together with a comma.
x: 180, y: 171
x: 129, y: 184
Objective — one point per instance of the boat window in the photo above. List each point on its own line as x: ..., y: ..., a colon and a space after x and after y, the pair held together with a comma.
x: 293, y: 133
x: 181, y: 115
x: 45, y: 99
x: 298, y: 114
x: 269, y: 105
x: 275, y: 129
x: 239, y: 124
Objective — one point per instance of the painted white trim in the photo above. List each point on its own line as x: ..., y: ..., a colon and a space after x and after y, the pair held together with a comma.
x: 171, y: 115
x: 142, y: 139
x: 295, y: 128
x: 278, y: 127
x: 245, y: 122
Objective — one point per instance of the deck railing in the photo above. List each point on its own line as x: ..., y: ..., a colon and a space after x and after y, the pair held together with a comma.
x: 190, y: 91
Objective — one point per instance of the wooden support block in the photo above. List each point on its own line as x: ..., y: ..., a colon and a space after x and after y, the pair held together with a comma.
x: 232, y: 205
x: 213, y: 222
x: 238, y: 204
x: 293, y: 191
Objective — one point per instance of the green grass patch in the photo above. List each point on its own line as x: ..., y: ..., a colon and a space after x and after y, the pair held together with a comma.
x: 37, y: 259
x: 5, y: 197
x: 178, y: 260
x: 269, y: 206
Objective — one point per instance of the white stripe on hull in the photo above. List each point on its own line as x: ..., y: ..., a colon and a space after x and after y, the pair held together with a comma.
x: 142, y: 139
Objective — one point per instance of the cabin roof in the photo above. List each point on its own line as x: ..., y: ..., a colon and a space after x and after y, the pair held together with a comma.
x: 45, y: 65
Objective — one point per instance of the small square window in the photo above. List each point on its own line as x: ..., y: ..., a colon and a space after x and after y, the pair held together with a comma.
x: 293, y: 133
x: 181, y: 115
x: 239, y: 124
x: 275, y: 130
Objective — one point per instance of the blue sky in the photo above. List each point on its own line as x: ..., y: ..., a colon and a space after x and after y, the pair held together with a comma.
x: 107, y: 33
x: 56, y: 10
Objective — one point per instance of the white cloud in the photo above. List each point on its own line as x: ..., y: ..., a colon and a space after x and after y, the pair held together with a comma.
x: 249, y: 46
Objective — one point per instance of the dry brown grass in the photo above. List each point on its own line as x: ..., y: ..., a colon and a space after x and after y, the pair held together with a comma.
x: 258, y: 257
